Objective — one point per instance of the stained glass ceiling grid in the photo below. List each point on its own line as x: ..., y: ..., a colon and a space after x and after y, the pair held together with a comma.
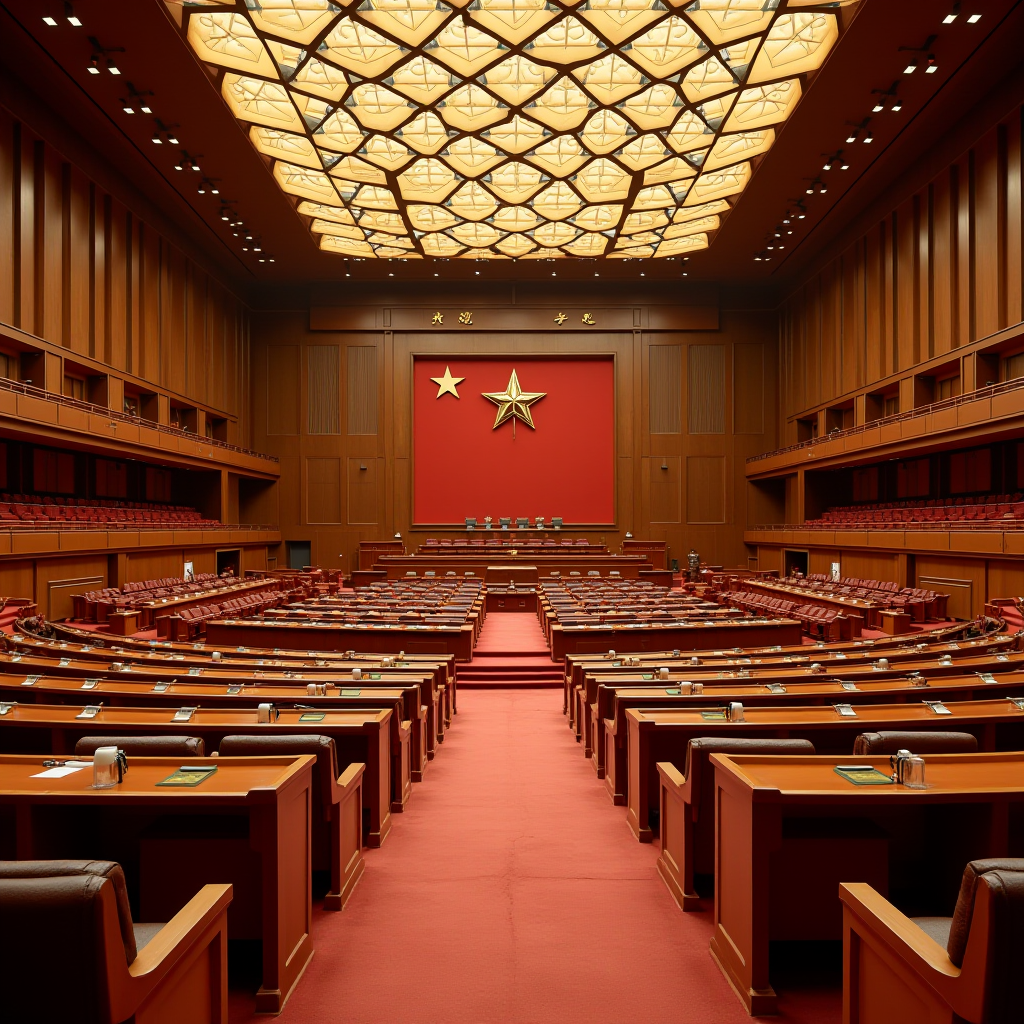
x: 512, y: 129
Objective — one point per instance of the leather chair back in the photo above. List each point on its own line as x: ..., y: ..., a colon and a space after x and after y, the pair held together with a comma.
x: 325, y: 774
x: 144, y: 746
x: 46, y: 901
x: 700, y: 774
x: 1004, y: 878
x: 922, y: 741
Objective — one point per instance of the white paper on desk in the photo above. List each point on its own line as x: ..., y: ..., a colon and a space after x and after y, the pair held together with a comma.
x: 59, y: 773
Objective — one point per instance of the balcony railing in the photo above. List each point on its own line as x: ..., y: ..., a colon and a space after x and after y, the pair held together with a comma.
x: 31, y: 391
x: 946, y: 525
x: 924, y: 410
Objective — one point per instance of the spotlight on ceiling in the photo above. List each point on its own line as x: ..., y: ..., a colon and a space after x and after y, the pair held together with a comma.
x: 952, y: 16
x: 70, y: 17
x: 931, y: 66
x: 48, y: 20
x: 974, y: 19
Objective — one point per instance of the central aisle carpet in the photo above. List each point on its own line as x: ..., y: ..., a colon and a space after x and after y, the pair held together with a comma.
x: 511, y: 651
x: 513, y: 891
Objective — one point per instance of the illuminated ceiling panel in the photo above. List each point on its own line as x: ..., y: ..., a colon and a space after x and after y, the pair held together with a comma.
x: 522, y: 129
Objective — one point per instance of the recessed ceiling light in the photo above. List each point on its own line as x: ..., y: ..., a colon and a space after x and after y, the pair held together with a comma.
x: 951, y: 17
x: 47, y: 20
x: 897, y: 106
x: 910, y: 68
x: 931, y: 66
x: 974, y: 19
x: 113, y: 68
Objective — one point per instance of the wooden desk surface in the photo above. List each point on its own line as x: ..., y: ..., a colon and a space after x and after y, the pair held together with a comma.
x: 806, y: 593
x: 662, y: 735
x: 961, y: 776
x: 866, y: 715
x: 361, y: 735
x: 272, y: 792
x: 770, y: 817
x: 237, y: 780
x: 143, y: 718
x: 169, y: 604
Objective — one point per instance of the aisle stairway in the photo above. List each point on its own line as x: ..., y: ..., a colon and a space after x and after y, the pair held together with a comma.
x: 511, y: 651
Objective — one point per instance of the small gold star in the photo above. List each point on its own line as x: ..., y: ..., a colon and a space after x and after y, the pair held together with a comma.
x: 446, y: 384
x: 514, y: 404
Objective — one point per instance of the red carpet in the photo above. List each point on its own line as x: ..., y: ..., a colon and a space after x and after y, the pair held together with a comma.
x: 512, y: 891
x: 511, y: 651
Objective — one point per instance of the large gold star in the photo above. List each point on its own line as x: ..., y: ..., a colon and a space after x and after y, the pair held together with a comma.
x: 446, y: 384
x: 514, y: 404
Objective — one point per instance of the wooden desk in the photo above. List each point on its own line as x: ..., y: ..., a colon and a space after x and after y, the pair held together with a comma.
x: 408, y: 747
x: 610, y: 754
x: 656, y: 735
x: 689, y: 636
x: 158, y: 606
x: 321, y: 665
x: 765, y: 803
x: 360, y: 737
x: 894, y: 622
x: 518, y: 600
x: 159, y: 672
x: 794, y: 676
x: 269, y: 796
x: 810, y: 595
x: 123, y: 623
x: 324, y: 636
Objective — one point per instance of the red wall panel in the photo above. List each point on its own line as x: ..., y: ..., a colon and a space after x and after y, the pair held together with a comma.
x: 564, y: 467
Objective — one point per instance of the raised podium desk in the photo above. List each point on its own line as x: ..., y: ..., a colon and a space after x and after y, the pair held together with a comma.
x: 788, y: 827
x: 65, y: 818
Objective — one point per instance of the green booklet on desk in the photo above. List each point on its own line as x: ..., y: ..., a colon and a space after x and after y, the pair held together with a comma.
x: 714, y: 716
x: 189, y: 775
x: 863, y: 775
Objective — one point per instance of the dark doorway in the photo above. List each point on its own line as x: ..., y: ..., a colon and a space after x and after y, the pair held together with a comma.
x: 796, y: 561
x: 229, y: 560
x: 299, y: 554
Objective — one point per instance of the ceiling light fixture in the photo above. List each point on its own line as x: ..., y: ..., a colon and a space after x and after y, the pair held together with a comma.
x: 587, y: 160
x: 952, y: 16
x: 47, y: 20
x: 913, y: 63
x: 974, y: 19
x: 70, y: 17
x: 897, y: 106
x: 931, y: 66
x: 868, y: 138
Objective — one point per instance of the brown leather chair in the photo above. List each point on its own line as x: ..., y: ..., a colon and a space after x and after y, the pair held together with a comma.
x: 892, y: 960
x: 921, y: 741
x: 144, y: 746
x: 105, y: 975
x: 700, y: 777
x: 687, y: 806
x: 337, y: 831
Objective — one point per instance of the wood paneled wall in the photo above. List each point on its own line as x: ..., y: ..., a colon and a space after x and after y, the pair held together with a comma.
x: 82, y: 271
x: 680, y: 443
x: 941, y: 270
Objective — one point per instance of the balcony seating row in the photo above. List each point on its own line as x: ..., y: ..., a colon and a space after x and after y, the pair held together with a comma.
x: 823, y: 623
x: 994, y: 512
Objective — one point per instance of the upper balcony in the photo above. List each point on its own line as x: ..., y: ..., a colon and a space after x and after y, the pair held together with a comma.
x: 991, y: 413
x: 32, y: 412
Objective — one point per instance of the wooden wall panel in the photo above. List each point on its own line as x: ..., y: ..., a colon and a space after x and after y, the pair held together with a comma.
x: 323, y: 389
x: 82, y: 271
x: 705, y: 400
x: 282, y: 383
x: 748, y: 388
x: 666, y: 392
x: 362, y: 492
x: 666, y: 489
x: 650, y: 502
x: 705, y: 489
x: 323, y: 490
x: 362, y: 389
x: 942, y: 269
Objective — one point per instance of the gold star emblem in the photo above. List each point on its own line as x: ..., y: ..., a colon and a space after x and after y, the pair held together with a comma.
x: 446, y: 384
x: 514, y: 404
